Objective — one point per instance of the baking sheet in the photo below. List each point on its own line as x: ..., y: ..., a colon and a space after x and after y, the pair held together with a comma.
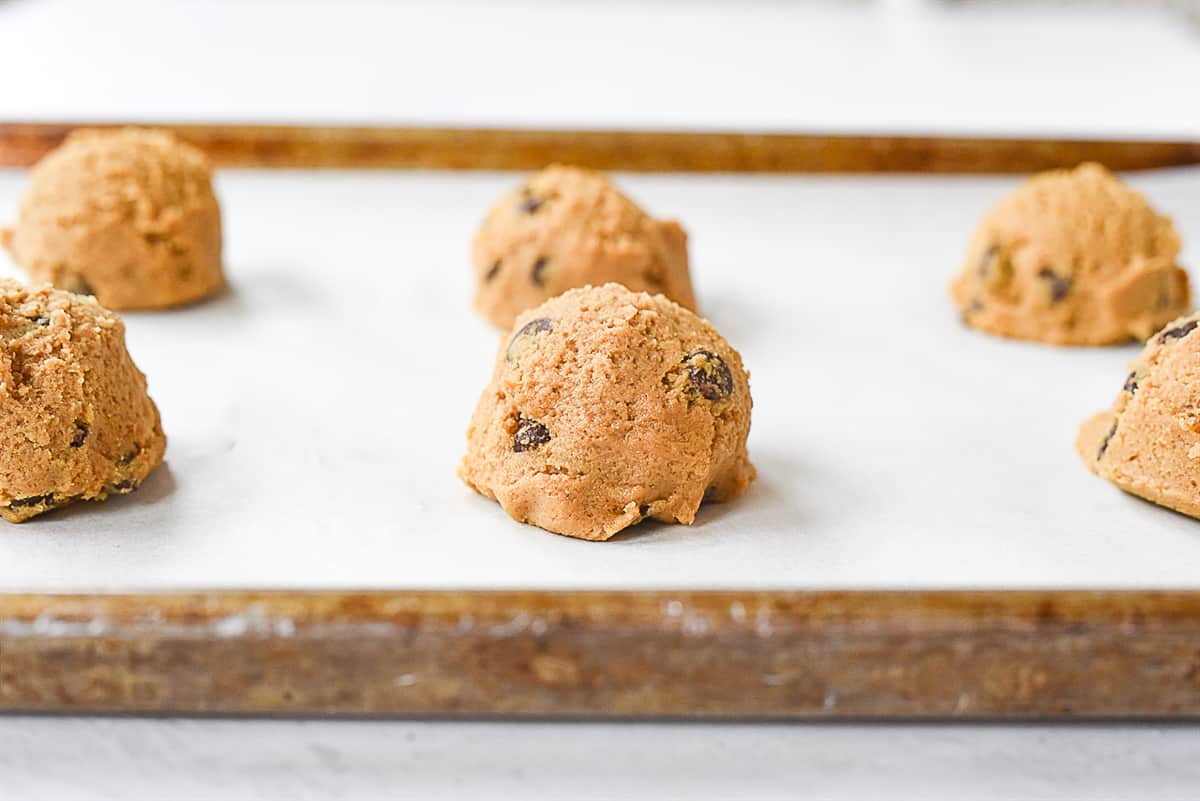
x: 316, y: 411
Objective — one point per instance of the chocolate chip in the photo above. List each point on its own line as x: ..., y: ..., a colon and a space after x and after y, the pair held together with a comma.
x: 493, y: 271
x: 1060, y: 285
x: 644, y: 509
x: 123, y: 487
x: 530, y: 328
x: 530, y: 203
x: 709, y: 375
x: 75, y: 283
x: 81, y: 434
x: 530, y: 434
x: 1107, y: 438
x: 35, y: 500
x: 1178, y: 332
x: 539, y: 267
x: 985, y: 261
x: 130, y: 456
x: 1131, y: 383
x: 1162, y: 298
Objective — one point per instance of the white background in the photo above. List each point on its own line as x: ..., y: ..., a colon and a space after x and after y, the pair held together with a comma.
x: 1010, y: 68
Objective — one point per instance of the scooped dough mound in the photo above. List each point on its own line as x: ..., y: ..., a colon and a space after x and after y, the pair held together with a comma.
x: 1148, y: 444
x: 1073, y: 257
x: 607, y: 407
x: 75, y: 418
x: 567, y: 228
x: 127, y: 215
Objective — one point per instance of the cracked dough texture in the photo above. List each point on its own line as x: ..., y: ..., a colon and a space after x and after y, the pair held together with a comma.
x: 607, y: 407
x: 1073, y: 257
x: 1148, y: 444
x: 75, y: 418
x: 566, y: 228
x: 127, y: 215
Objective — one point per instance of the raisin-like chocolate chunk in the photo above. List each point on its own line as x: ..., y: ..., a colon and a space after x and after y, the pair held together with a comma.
x: 530, y: 434
x: 1107, y: 439
x: 531, y: 328
x: 129, y: 456
x: 81, y: 434
x: 1162, y: 298
x: 493, y: 271
x: 709, y: 375
x: 985, y: 261
x: 1178, y: 332
x: 644, y: 509
x: 1060, y: 285
x: 72, y: 282
x: 1131, y: 383
x: 33, y: 500
x: 537, y: 275
x: 530, y: 203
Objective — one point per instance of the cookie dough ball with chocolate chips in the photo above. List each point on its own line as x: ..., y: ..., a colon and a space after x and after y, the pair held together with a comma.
x: 1073, y: 257
x: 566, y: 228
x: 1148, y: 444
x: 126, y: 215
x: 75, y: 418
x: 607, y: 407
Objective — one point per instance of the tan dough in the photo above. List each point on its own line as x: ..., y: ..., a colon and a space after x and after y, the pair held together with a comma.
x: 75, y: 418
x: 1073, y: 257
x: 566, y: 228
x: 1148, y: 444
x: 606, y: 407
x: 126, y: 215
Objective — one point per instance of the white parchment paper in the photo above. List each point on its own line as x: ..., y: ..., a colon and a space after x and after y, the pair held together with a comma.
x: 316, y: 411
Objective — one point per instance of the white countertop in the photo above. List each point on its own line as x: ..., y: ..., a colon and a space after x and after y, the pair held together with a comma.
x: 769, y: 64
x: 201, y: 760
x: 1067, y: 68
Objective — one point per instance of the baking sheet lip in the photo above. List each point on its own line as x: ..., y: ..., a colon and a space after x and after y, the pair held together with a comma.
x: 948, y: 591
x: 393, y: 126
x: 637, y: 148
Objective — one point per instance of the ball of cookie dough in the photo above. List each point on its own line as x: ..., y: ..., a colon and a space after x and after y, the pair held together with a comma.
x: 1073, y: 257
x: 567, y: 228
x: 1148, y: 443
x: 75, y: 418
x: 607, y: 407
x: 127, y: 215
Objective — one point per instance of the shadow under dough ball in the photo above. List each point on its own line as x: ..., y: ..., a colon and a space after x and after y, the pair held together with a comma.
x: 127, y: 215
x: 75, y: 418
x: 607, y: 407
x: 567, y: 228
x: 1073, y: 257
x: 1148, y: 443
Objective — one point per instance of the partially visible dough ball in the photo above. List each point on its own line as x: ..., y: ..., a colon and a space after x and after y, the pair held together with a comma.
x: 607, y: 407
x: 1148, y: 444
x: 75, y: 418
x: 1073, y: 257
x: 566, y: 228
x: 127, y: 215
